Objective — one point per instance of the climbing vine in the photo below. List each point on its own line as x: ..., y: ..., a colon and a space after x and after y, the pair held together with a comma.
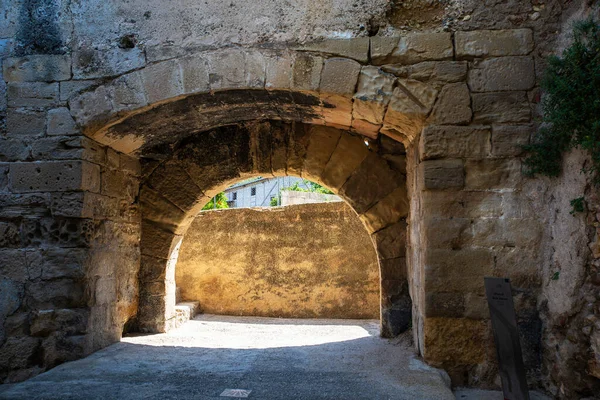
x: 571, y: 105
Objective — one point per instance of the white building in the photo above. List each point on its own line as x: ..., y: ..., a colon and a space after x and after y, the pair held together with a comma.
x: 258, y: 192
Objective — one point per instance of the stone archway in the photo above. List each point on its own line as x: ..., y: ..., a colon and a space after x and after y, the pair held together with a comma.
x: 370, y: 178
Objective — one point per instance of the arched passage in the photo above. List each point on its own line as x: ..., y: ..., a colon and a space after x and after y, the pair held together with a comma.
x: 370, y: 178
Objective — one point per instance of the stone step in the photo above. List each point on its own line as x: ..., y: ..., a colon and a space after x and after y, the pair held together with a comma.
x: 185, y: 311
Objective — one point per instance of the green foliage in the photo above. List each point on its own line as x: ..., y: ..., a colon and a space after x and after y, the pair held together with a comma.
x: 310, y: 187
x: 275, y: 201
x: 555, y: 276
x: 578, y: 205
x: 221, y: 200
x: 571, y: 106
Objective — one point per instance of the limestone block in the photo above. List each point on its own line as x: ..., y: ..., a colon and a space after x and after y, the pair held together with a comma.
x: 373, y: 93
x: 336, y: 111
x: 449, y: 71
x: 415, y: 47
x: 25, y: 122
x: 9, y: 234
x: 162, y: 81
x: 365, y: 128
x: 347, y: 156
x: 434, y: 71
x: 173, y: 183
x: 278, y: 71
x: 404, y: 117
x: 507, y: 141
x: 160, y: 211
x: 500, y: 74
x: 63, y: 232
x: 299, y: 139
x: 391, y: 241
x: 321, y: 145
x: 59, y: 349
x: 279, y: 139
x: 12, y: 150
x: 226, y: 69
x: 306, y: 72
x: 520, y: 264
x: 445, y: 305
x: 339, y: 76
x: 157, y: 242
x: 59, y: 148
x: 152, y: 269
x: 194, y: 74
x: 381, y: 47
x: 501, y: 108
x: 255, y: 69
x: 129, y: 165
x: 32, y: 94
x: 15, y: 269
x: 91, y: 106
x: 128, y: 92
x: 90, y: 63
x: 70, y: 88
x: 372, y: 181
x: 355, y: 48
x: 17, y: 352
x: 476, y: 306
x: 442, y: 336
x: 421, y: 93
x: 54, y: 176
x: 13, y: 205
x: 453, y: 105
x: 482, y: 43
x: 461, y: 270
x: 58, y: 293
x: 37, y: 68
x: 463, y: 204
x: 393, y: 268
x: 60, y: 122
x: 447, y: 233
x: 442, y: 174
x: 492, y: 173
x: 117, y: 184
x: 454, y: 142
x: 387, y: 211
x: 55, y: 263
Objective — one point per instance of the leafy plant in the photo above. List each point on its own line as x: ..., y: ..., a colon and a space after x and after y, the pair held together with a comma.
x: 578, y: 205
x: 221, y: 202
x: 309, y: 187
x: 571, y: 106
x: 555, y: 276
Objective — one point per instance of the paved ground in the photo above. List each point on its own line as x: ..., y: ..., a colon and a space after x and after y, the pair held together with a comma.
x: 274, y: 358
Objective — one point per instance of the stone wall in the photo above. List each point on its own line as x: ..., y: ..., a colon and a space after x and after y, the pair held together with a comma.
x: 300, y: 261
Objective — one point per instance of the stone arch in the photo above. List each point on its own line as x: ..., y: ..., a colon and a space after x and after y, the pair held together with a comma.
x: 370, y: 178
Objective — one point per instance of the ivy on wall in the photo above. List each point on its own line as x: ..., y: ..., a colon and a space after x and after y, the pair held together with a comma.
x: 571, y: 105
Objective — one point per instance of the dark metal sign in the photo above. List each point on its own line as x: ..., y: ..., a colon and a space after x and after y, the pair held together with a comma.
x: 506, y: 337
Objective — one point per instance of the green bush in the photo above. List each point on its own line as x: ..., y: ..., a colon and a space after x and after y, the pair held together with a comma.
x: 221, y: 201
x: 571, y: 105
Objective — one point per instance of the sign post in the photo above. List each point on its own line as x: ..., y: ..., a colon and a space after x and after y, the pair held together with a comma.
x: 506, y: 337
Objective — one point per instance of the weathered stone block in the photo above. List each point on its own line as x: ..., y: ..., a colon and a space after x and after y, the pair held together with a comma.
x: 40, y: 68
x: 278, y: 71
x: 14, y: 266
x: 68, y: 321
x: 375, y: 174
x: 226, y: 69
x: 393, y: 268
x: 128, y: 91
x: 347, y: 156
x: 454, y: 142
x: 54, y: 176
x: 9, y: 234
x: 194, y: 74
x: 55, y: 263
x: 520, y: 264
x: 339, y: 76
x: 463, y: 204
x: 355, y: 48
x: 157, y: 242
x: 373, y: 93
x: 307, y: 72
x: 25, y: 122
x: 504, y: 107
x: 63, y: 232
x: 254, y: 69
x: 162, y: 212
x: 32, y: 94
x: 60, y: 122
x: 387, y: 211
x: 60, y: 293
x: 322, y: 143
x: 91, y: 106
x: 457, y: 270
x: 11, y: 150
x: 508, y: 141
x: 442, y: 174
x: 492, y: 174
x: 453, y: 105
x: 117, y: 184
x: 129, y: 165
x: 413, y: 48
x: 70, y: 88
x: 65, y: 148
x: 446, y: 305
x: 12, y: 205
x: 447, y: 233
x: 162, y: 81
x: 16, y: 352
x: 90, y: 63
x: 391, y: 241
x: 500, y: 74
x: 442, y: 336
x: 481, y: 43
